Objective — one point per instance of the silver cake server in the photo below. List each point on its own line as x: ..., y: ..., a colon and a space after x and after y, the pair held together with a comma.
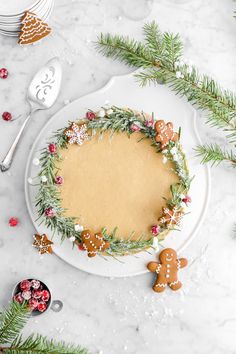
x: 42, y: 94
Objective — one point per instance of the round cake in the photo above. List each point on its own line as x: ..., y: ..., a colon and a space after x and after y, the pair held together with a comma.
x: 114, y: 181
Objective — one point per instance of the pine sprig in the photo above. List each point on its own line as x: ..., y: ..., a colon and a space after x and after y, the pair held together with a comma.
x: 160, y: 58
x: 215, y: 154
x: 12, y: 322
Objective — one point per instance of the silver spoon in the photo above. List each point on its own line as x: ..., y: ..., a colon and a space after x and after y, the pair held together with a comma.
x: 42, y: 94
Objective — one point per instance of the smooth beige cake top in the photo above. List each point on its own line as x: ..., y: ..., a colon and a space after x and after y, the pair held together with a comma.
x: 115, y: 182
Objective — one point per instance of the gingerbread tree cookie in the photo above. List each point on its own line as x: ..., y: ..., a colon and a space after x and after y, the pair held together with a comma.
x: 167, y: 270
x: 165, y: 133
x: 33, y: 29
x: 93, y: 242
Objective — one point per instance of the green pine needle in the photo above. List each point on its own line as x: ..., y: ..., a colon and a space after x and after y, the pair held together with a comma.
x: 215, y: 154
x: 12, y: 321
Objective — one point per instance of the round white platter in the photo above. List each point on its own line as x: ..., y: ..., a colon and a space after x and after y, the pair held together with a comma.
x: 124, y: 91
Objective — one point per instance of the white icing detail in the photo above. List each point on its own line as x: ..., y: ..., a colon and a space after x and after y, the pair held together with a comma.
x: 160, y: 285
x: 167, y: 276
x: 174, y: 282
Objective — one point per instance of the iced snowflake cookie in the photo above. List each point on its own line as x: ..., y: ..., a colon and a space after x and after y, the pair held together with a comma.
x: 117, y: 173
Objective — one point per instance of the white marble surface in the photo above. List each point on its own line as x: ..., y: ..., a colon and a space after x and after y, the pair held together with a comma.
x: 124, y: 315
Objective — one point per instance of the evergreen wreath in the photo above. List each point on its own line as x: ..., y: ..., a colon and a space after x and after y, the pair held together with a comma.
x: 114, y: 120
x: 13, y: 320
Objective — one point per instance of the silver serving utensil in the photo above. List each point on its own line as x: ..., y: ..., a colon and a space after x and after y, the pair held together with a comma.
x: 42, y: 94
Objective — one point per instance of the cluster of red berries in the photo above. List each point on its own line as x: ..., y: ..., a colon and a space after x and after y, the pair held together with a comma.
x: 34, y: 293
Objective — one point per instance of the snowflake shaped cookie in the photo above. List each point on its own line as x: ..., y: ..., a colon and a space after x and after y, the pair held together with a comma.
x: 171, y: 217
x: 77, y: 134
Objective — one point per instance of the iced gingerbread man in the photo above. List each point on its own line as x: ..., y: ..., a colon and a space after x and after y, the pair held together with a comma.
x: 167, y: 270
x: 93, y: 242
x: 165, y: 133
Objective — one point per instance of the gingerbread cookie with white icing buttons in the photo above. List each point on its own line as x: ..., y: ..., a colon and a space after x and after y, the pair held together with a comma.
x: 167, y: 270
x: 93, y: 242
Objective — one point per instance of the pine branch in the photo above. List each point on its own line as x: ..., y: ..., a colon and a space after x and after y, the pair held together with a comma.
x: 214, y: 154
x: 160, y: 59
x: 12, y: 322
x: 41, y: 345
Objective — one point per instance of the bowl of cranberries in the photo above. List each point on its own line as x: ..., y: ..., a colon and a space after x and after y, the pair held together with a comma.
x: 34, y: 293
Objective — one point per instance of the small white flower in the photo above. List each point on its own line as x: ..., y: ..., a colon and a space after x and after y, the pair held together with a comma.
x: 72, y: 238
x: 35, y: 161
x: 109, y: 111
x: 78, y: 228
x: 182, y: 196
x: 101, y: 113
x: 164, y: 160
x: 155, y: 244
x: 173, y: 151
x: 44, y: 179
x: 179, y: 75
x: 30, y: 180
x: 164, y: 151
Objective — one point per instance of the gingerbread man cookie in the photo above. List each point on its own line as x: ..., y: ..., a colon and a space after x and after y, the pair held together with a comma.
x: 93, y: 243
x: 167, y: 270
x: 165, y: 133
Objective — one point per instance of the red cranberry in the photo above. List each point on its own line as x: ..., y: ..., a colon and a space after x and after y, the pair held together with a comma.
x: 13, y: 222
x: 36, y: 294
x: 45, y: 295
x: 59, y: 180
x: 25, y: 285
x: 81, y: 247
x: 3, y: 73
x: 90, y: 115
x: 155, y: 230
x: 33, y: 304
x: 42, y: 306
x: 26, y: 294
x: 18, y: 298
x: 135, y: 128
x: 49, y: 212
x: 7, y: 116
x: 35, y: 284
x: 187, y: 199
x: 52, y: 148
